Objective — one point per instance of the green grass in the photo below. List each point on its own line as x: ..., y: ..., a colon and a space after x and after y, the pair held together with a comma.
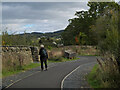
x: 87, y: 55
x: 60, y: 59
x: 6, y: 73
x: 31, y: 66
x: 93, y: 78
x: 104, y: 79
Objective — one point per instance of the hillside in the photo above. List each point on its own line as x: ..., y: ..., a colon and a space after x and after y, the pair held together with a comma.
x: 48, y: 34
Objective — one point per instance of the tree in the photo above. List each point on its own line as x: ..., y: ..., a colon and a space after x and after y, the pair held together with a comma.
x: 87, y: 19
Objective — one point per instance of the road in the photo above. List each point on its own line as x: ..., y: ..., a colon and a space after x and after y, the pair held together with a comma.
x: 54, y: 76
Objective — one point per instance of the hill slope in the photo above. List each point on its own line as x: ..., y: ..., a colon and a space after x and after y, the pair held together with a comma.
x: 48, y: 34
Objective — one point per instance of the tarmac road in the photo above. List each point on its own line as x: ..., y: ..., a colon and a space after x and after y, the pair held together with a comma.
x: 54, y: 76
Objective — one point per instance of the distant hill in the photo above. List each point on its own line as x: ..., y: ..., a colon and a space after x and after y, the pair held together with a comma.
x: 54, y: 34
x: 48, y: 34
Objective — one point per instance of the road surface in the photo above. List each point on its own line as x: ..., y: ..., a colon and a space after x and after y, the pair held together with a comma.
x: 54, y: 76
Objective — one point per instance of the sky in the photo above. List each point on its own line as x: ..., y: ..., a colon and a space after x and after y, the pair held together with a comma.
x: 29, y: 17
x: 20, y: 17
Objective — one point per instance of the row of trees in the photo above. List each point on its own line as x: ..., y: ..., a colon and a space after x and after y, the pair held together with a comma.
x: 100, y: 26
x: 12, y: 40
x: 29, y: 40
x: 87, y: 27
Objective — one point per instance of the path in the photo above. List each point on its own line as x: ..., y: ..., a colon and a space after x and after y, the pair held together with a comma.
x: 55, y: 75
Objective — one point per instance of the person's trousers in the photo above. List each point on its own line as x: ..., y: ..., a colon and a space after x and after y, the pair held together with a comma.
x: 43, y: 61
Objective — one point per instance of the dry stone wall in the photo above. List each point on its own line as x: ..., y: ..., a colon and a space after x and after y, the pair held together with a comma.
x: 35, y: 53
x: 13, y: 57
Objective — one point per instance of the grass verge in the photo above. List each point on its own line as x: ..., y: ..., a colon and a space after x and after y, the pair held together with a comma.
x: 87, y: 55
x: 60, y: 59
x: 93, y: 78
x: 6, y: 73
x: 106, y: 78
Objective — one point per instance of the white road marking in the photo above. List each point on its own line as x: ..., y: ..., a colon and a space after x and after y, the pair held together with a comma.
x: 40, y: 71
x: 71, y: 73
x: 25, y: 77
x: 29, y: 75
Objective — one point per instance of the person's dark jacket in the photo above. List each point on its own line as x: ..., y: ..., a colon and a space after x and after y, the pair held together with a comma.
x: 41, y: 53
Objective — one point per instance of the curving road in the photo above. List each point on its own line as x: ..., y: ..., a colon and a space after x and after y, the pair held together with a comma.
x: 54, y: 76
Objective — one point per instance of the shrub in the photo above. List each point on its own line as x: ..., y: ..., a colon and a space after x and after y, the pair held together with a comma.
x: 109, y: 72
x: 49, y: 47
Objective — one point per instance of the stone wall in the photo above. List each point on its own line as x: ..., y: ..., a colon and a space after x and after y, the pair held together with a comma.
x: 79, y: 50
x: 13, y: 57
x: 82, y: 50
x: 55, y: 53
x: 35, y: 53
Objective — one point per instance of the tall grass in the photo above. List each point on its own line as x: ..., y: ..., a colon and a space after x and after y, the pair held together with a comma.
x: 109, y: 72
x: 106, y: 74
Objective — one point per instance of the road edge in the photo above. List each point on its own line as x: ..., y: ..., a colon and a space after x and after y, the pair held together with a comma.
x: 71, y: 73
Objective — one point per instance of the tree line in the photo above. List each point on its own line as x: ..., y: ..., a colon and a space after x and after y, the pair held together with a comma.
x: 89, y: 26
x: 99, y: 26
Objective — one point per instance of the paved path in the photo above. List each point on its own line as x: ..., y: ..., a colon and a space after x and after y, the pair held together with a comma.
x: 77, y: 78
x: 55, y: 74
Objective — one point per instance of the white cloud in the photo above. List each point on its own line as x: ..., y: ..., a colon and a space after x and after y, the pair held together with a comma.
x: 44, y: 0
x: 44, y: 17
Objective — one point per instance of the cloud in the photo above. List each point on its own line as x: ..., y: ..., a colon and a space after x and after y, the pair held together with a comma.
x: 45, y: 1
x: 44, y: 16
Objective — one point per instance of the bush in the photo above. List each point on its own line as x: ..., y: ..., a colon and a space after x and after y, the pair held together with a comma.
x: 109, y: 72
x: 49, y: 47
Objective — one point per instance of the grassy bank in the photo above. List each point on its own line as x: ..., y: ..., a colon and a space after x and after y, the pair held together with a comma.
x: 6, y: 73
x: 61, y: 59
x: 102, y: 79
x: 93, y: 79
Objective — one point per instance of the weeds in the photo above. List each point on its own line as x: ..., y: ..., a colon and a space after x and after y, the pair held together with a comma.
x: 93, y: 78
x: 105, y: 74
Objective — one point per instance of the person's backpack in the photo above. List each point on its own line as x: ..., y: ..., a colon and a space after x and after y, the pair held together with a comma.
x: 44, y: 53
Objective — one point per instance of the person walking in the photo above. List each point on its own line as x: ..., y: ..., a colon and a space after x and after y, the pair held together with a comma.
x: 43, y: 57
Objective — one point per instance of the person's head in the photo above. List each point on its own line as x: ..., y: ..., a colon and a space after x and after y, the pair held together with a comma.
x: 42, y: 46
